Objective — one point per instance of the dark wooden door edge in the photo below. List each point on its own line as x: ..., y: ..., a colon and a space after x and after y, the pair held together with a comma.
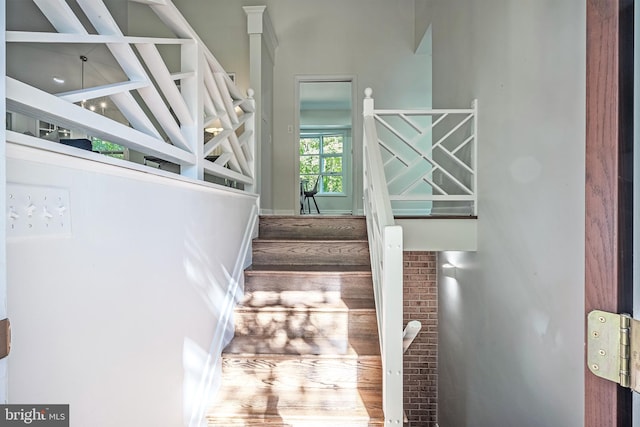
x: 606, y: 404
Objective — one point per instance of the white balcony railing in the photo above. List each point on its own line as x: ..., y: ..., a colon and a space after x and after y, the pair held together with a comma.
x: 163, y: 111
x: 430, y: 158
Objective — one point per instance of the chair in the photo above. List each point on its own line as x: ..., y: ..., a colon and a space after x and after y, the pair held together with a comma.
x: 310, y: 194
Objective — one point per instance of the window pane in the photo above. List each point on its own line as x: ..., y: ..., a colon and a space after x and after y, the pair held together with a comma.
x: 309, y: 165
x: 332, y: 165
x: 332, y: 144
x: 332, y: 184
x: 310, y: 145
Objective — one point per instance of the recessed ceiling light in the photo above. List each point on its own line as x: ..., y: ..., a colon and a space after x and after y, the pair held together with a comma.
x: 58, y: 80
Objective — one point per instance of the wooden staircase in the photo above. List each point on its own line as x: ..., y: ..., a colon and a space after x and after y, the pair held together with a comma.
x: 305, y: 351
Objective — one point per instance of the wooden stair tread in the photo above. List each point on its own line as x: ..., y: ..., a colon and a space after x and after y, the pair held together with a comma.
x: 251, y: 345
x: 331, y: 406
x: 275, y: 302
x: 286, y: 372
x: 307, y: 240
x: 274, y: 357
x: 316, y: 269
x: 314, y: 217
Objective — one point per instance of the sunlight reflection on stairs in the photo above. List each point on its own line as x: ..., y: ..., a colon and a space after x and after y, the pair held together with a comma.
x: 305, y: 351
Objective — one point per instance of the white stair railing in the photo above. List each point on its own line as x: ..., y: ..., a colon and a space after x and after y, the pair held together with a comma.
x: 385, y: 245
x: 430, y: 155
x: 403, y: 151
x: 164, y: 113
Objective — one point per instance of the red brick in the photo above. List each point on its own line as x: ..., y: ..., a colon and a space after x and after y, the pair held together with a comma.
x: 420, y: 362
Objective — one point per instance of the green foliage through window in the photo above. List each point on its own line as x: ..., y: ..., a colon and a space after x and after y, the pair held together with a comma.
x: 322, y: 155
x: 107, y: 148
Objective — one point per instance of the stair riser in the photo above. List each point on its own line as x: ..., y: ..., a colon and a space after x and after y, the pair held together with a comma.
x: 340, y: 325
x: 301, y: 227
x: 348, y: 285
x: 299, y: 374
x: 305, y: 253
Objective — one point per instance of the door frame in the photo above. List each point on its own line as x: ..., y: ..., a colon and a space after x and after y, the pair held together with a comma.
x: 356, y: 126
x: 606, y: 196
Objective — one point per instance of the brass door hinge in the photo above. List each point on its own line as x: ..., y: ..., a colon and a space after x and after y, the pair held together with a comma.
x: 613, y: 348
x: 5, y: 338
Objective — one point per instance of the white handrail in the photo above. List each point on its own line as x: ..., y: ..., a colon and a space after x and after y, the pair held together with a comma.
x: 385, y: 244
x: 169, y: 124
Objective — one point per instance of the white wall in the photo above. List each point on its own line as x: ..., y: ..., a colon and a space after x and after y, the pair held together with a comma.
x: 117, y: 318
x: 511, y: 322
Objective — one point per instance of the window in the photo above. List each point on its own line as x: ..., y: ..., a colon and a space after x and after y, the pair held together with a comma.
x: 322, y: 154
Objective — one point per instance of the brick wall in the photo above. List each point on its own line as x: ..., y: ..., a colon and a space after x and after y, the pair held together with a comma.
x: 420, y: 361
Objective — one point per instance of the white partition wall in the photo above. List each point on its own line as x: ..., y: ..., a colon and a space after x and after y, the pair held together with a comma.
x: 122, y: 314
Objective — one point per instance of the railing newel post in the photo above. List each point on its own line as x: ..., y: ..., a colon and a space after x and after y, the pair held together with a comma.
x: 368, y: 105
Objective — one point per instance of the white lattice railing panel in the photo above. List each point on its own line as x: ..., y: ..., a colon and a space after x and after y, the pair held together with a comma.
x: 429, y: 155
x: 191, y: 116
